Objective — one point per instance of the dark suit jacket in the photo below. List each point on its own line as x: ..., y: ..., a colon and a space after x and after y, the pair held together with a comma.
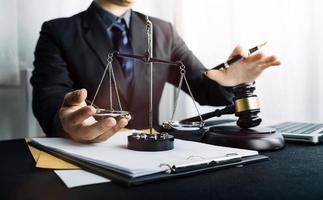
x: 71, y: 54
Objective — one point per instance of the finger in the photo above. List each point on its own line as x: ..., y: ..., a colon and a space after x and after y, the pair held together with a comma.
x: 121, y: 124
x: 98, y: 128
x: 269, y: 61
x: 266, y: 65
x: 75, y: 98
x: 238, y: 50
x: 128, y: 117
x: 78, y: 116
x: 255, y: 57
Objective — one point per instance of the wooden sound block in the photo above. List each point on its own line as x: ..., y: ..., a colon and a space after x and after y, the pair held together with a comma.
x: 257, y: 138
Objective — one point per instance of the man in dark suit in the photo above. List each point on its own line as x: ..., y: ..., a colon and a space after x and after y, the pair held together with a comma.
x: 71, y: 54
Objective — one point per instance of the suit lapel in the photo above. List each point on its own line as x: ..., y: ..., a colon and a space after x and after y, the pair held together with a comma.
x: 96, y: 36
x: 99, y: 41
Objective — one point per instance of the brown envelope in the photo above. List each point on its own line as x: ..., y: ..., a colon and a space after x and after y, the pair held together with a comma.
x: 45, y: 160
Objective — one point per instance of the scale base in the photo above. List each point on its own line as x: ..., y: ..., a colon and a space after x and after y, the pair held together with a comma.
x: 258, y: 138
x: 150, y: 142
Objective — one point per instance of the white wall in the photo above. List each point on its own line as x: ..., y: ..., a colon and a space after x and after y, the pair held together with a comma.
x: 294, y: 31
x: 31, y: 15
x: 9, y: 69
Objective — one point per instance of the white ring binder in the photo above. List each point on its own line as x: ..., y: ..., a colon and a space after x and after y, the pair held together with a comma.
x: 192, y: 162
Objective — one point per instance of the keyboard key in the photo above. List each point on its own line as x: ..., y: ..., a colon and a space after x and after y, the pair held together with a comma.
x: 298, y: 127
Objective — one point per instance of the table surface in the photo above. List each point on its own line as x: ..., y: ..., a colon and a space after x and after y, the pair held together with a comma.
x: 294, y: 172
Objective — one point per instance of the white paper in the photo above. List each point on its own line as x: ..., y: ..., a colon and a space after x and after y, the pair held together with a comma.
x: 113, y: 153
x: 76, y: 177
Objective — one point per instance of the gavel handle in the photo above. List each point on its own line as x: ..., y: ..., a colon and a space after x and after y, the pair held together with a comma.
x: 217, y: 113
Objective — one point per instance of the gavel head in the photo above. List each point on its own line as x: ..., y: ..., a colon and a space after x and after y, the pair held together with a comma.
x: 246, y: 105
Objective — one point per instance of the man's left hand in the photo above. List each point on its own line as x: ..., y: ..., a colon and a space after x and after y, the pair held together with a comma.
x: 244, y: 71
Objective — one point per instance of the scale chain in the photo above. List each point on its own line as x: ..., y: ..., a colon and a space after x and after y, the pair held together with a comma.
x: 178, y: 89
x: 183, y: 77
x: 112, y: 80
x: 110, y: 87
x: 116, y: 87
x: 101, y: 81
x: 189, y: 89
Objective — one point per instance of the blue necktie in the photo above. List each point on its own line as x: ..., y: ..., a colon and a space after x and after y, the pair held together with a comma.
x: 122, y: 44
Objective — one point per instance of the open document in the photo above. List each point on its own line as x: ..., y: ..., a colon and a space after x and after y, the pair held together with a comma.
x: 114, y: 156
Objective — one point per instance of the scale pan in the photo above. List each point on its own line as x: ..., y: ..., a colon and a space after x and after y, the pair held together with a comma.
x: 103, y: 113
x: 183, y: 126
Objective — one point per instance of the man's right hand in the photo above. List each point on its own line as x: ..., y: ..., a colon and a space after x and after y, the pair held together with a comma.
x: 78, y: 121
